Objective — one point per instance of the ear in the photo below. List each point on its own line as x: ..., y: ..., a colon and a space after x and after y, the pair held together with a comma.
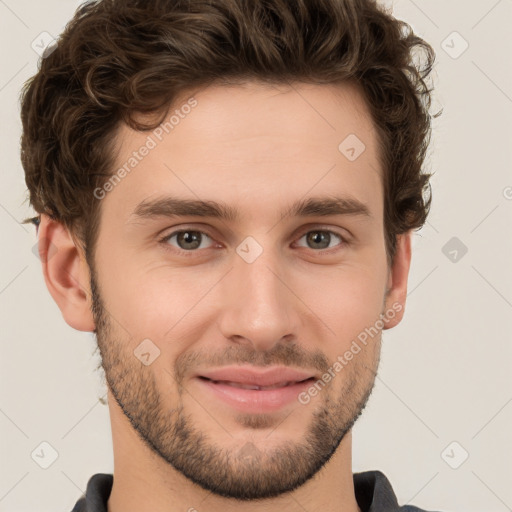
x: 66, y: 273
x: 397, y: 281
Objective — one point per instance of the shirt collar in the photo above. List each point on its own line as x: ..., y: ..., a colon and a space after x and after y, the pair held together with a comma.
x: 372, y: 490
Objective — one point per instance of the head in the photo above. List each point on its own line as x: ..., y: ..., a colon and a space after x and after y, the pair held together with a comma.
x: 273, y: 111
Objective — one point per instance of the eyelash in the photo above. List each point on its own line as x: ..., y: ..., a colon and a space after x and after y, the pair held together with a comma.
x: 164, y: 241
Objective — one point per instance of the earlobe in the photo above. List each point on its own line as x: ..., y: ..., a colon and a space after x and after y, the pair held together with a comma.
x: 397, y: 281
x: 66, y: 273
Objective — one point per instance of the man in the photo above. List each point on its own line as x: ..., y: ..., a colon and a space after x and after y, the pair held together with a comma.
x: 226, y: 194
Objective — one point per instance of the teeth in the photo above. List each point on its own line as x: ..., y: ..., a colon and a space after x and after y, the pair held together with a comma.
x: 250, y: 386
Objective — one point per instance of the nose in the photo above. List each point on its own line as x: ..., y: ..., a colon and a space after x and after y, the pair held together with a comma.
x: 259, y: 306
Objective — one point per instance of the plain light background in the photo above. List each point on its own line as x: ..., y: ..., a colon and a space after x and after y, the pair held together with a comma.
x: 445, y: 370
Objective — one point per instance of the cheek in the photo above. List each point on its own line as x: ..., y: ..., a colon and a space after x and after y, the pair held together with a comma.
x: 151, y: 300
x: 155, y: 303
x: 348, y: 302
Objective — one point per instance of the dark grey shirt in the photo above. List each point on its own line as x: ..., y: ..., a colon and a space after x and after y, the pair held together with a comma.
x: 372, y: 489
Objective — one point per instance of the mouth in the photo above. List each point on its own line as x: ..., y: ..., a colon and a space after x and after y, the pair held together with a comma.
x: 257, y: 377
x: 253, y: 398
x: 241, y: 385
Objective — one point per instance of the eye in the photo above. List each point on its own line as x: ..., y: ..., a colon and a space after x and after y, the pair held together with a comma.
x: 321, y: 239
x: 187, y: 239
x: 190, y: 240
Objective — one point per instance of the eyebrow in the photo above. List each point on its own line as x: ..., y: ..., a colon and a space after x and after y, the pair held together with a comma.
x: 310, y: 207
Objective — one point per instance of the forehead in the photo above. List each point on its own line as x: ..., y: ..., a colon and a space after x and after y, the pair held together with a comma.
x: 251, y: 141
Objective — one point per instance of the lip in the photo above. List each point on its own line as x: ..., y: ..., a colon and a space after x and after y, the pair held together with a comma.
x: 215, y: 383
x: 250, y: 376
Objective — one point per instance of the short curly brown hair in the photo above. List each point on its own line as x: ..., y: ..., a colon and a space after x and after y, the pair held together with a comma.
x: 120, y: 58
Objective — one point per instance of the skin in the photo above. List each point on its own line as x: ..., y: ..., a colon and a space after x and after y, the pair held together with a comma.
x: 257, y: 148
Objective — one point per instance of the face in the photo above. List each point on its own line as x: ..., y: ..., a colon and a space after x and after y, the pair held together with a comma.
x: 179, y: 294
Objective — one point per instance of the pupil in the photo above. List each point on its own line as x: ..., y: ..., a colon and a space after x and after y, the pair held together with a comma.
x: 317, y: 236
x: 189, y: 238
